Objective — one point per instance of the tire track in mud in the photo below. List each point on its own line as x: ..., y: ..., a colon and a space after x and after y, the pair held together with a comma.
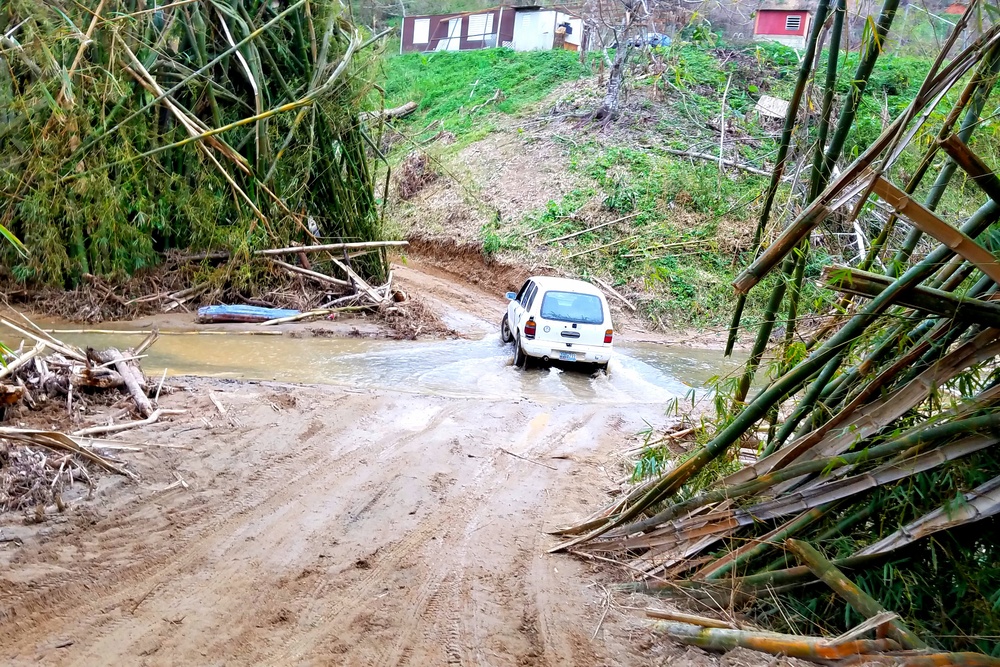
x: 343, y: 480
x: 103, y: 590
x: 252, y: 513
x: 319, y: 615
x: 270, y: 485
x: 437, y: 611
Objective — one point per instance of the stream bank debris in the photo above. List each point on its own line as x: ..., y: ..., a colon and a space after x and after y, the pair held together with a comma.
x: 37, y: 466
x: 863, y: 528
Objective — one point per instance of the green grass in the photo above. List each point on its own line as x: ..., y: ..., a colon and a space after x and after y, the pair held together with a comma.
x: 448, y: 85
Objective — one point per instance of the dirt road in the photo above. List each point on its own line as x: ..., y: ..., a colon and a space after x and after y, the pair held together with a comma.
x: 346, y: 526
x: 325, y: 526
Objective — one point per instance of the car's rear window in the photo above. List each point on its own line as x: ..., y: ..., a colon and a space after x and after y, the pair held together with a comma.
x: 572, y: 307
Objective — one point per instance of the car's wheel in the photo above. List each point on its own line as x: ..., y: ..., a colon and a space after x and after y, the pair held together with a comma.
x: 505, y: 334
x: 520, y: 358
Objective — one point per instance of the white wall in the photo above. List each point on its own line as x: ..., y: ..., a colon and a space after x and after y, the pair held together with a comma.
x: 534, y: 30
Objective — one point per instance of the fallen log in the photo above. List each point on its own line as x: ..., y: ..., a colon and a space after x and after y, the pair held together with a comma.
x: 97, y: 378
x: 131, y: 376
x: 9, y: 395
x: 386, y: 114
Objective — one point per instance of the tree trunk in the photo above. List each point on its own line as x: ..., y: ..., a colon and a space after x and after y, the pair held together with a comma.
x: 616, y: 81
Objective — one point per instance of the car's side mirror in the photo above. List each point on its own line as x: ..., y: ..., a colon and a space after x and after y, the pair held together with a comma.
x: 511, y: 295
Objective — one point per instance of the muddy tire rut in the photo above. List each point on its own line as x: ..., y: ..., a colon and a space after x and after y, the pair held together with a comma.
x: 330, y: 526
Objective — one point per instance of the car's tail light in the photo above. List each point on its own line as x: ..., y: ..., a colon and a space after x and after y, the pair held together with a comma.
x: 607, y: 335
x: 529, y: 329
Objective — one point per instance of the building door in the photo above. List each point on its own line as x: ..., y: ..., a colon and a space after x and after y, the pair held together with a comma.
x: 534, y: 30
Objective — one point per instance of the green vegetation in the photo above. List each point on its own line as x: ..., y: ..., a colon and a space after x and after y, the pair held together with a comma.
x: 687, y: 230
x: 102, y: 177
x: 456, y: 88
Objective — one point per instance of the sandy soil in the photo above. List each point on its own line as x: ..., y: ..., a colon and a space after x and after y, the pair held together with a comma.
x: 326, y: 526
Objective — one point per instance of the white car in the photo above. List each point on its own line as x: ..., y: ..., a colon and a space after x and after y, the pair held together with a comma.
x: 558, y: 319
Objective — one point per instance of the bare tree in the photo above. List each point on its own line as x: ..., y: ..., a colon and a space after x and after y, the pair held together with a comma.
x: 621, y: 20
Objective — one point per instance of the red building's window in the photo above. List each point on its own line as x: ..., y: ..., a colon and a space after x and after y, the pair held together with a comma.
x: 793, y: 23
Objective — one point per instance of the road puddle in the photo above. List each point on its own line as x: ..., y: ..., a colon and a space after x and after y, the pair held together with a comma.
x: 640, y: 372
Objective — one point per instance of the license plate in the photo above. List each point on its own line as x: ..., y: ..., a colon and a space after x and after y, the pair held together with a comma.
x: 567, y: 356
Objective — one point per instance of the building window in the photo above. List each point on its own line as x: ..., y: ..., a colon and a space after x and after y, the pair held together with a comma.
x: 480, y: 26
x: 793, y: 23
x: 421, y: 31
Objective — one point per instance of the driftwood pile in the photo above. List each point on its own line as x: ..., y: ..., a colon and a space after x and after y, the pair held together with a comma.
x: 333, y: 283
x: 875, y: 489
x: 36, y: 466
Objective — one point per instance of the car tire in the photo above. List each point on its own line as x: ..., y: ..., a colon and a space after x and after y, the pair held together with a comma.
x: 602, y: 367
x: 505, y: 335
x: 520, y: 358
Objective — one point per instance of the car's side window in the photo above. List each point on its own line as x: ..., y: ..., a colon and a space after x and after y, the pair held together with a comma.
x: 523, y: 300
x: 531, y: 296
x: 523, y: 291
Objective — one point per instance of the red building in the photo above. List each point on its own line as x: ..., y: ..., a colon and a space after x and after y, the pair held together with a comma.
x: 784, y: 21
x: 484, y: 29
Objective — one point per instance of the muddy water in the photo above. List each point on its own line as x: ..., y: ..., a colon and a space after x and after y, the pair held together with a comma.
x: 645, y: 373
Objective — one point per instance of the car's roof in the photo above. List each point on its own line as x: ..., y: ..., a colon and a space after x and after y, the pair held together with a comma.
x: 566, y: 284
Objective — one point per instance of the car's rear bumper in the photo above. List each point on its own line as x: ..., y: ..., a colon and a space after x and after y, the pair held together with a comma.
x: 588, y: 354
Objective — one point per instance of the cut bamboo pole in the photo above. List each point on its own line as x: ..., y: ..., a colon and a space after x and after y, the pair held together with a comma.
x: 863, y: 603
x: 592, y: 229
x: 927, y: 222
x: 691, y: 619
x: 372, y: 245
x: 613, y: 292
x: 601, y: 247
x: 315, y: 275
x: 749, y: 168
x: 23, y: 359
x: 795, y: 646
x: 973, y: 165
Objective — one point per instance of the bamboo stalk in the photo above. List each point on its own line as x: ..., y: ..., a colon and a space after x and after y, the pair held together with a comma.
x: 779, y: 166
x: 592, y: 229
x: 863, y: 603
x: 928, y: 300
x: 795, y: 646
x: 367, y: 245
x: 315, y: 275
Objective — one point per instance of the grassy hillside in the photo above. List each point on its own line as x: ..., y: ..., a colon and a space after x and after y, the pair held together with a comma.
x: 679, y: 228
x: 447, y: 85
